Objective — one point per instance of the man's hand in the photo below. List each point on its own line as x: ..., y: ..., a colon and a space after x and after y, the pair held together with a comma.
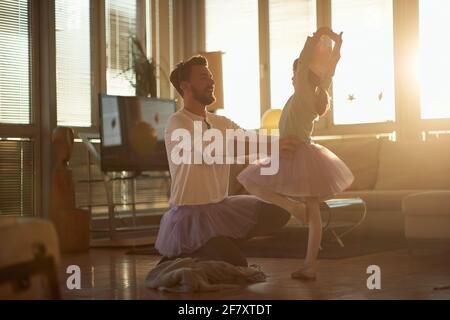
x: 288, y: 146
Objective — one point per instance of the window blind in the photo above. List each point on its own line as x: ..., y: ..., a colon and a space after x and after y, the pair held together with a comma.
x: 239, y: 41
x: 73, y: 63
x: 121, y: 19
x: 15, y: 62
x: 290, y: 23
x: 16, y: 177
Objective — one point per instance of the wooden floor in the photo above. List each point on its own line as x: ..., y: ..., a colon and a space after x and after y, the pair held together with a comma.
x: 111, y: 274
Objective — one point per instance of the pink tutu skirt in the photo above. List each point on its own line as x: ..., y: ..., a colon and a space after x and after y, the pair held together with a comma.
x: 312, y: 171
x: 184, y: 229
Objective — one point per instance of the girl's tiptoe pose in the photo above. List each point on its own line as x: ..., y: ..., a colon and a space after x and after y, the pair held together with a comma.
x: 312, y: 173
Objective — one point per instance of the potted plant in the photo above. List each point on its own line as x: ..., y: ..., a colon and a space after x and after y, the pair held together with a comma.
x: 145, y: 71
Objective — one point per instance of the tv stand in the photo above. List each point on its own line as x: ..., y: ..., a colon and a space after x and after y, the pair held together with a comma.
x: 120, y: 236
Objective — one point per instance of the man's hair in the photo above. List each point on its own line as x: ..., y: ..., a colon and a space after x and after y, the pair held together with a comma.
x: 182, y: 71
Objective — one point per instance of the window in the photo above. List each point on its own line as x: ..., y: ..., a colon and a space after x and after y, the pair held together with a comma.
x: 73, y: 63
x: 363, y: 88
x: 15, y: 62
x: 16, y: 154
x: 16, y: 177
x: 290, y: 21
x: 121, y: 20
x: 235, y: 32
x: 434, y: 61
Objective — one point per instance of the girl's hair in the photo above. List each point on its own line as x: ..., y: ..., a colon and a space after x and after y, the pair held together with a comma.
x: 314, y: 79
x: 323, y: 99
x: 295, y: 65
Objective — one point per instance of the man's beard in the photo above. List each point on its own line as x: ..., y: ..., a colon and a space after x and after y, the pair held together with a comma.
x: 206, y: 98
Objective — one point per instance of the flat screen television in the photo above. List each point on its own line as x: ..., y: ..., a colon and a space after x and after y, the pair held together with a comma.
x: 132, y: 133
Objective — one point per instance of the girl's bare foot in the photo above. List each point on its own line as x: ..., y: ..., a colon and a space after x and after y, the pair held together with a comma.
x: 304, y: 275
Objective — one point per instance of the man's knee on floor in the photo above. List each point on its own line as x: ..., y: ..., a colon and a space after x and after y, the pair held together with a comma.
x: 283, y: 217
x: 271, y: 218
x: 274, y: 215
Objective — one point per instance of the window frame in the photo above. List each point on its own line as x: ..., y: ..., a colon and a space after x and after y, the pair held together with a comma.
x: 32, y: 130
x: 408, y: 123
x: 98, y: 55
x: 43, y: 79
x: 425, y: 125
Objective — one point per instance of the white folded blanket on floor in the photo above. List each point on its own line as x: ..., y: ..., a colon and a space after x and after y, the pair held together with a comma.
x: 191, y: 275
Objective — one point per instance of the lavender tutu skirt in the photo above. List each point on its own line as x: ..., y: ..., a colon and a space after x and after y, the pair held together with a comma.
x: 184, y: 229
x: 312, y: 171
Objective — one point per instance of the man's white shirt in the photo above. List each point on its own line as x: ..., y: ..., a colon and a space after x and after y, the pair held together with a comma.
x: 194, y: 184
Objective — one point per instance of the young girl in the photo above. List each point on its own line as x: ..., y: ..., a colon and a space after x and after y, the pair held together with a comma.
x: 312, y: 173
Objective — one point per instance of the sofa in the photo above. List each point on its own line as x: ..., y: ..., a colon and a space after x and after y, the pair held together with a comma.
x: 386, y: 173
x: 427, y: 216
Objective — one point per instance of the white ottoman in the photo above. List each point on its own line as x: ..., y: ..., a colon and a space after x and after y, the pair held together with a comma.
x: 427, y: 215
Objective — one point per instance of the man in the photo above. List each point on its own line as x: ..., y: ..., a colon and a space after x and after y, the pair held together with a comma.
x: 203, y: 221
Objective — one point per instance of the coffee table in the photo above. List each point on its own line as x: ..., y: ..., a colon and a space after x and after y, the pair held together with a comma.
x: 329, y: 206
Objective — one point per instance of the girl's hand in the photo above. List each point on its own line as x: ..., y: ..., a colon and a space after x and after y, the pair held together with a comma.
x: 337, y: 38
x: 322, y: 31
x: 326, y: 31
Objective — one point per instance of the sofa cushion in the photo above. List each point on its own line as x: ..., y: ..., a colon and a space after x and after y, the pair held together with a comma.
x: 414, y: 165
x: 380, y: 200
x: 430, y: 203
x: 427, y: 215
x: 361, y: 156
x: 420, y: 227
